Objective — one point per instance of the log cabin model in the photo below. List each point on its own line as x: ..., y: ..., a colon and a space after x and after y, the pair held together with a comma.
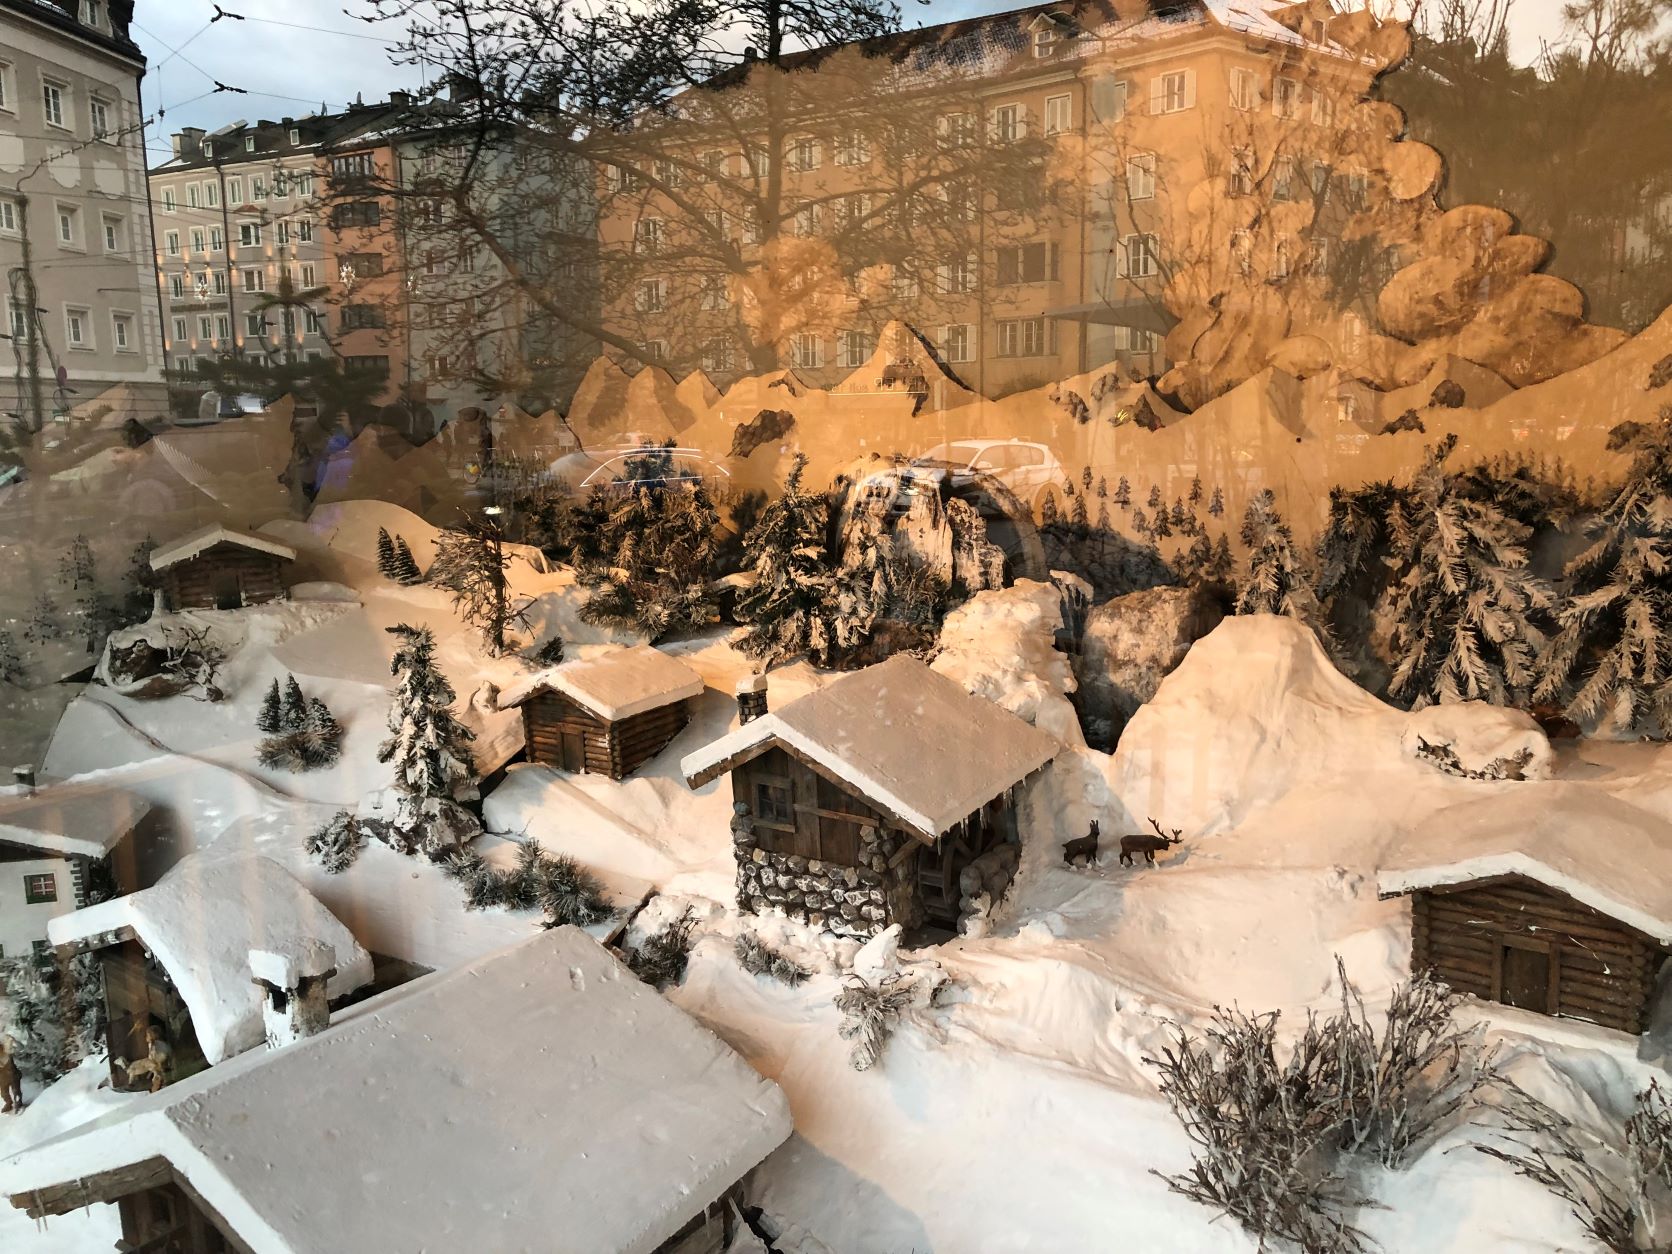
x: 217, y: 568
x: 864, y: 803
x: 604, y: 715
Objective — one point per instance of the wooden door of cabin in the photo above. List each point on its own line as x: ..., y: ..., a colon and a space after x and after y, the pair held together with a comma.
x: 1525, y: 980
x: 226, y: 590
x: 571, y: 750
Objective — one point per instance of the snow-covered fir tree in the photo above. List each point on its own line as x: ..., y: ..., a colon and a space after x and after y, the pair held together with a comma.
x: 405, y: 567
x: 644, y: 549
x: 787, y: 608
x: 43, y: 622
x: 11, y: 661
x: 76, y: 568
x: 1123, y: 492
x: 1085, y: 479
x: 1195, y: 496
x: 1465, y: 605
x: 271, y: 718
x: 470, y: 563
x: 1140, y: 525
x: 1216, y: 503
x: 295, y: 714
x: 1155, y: 500
x: 1077, y: 515
x: 1611, y: 659
x: 1048, y: 515
x: 1276, y: 581
x: 385, y: 553
x: 430, y: 749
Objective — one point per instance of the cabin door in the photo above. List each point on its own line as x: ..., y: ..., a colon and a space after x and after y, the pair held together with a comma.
x: 225, y: 589
x: 571, y: 751
x: 1526, y: 979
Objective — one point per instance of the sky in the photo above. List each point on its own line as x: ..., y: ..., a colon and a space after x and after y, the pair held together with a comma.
x: 291, y: 56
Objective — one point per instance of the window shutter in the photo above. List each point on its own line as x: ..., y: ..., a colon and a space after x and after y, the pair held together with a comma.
x: 1156, y: 98
x: 1122, y: 243
x: 1055, y: 260
x: 1190, y: 89
x: 1021, y: 122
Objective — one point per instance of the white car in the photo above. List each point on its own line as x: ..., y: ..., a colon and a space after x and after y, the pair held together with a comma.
x: 684, y: 465
x: 1025, y: 468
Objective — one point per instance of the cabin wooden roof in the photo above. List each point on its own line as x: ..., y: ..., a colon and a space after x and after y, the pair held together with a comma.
x: 206, y: 538
x: 907, y: 739
x: 614, y: 685
x: 81, y: 817
x: 1577, y: 839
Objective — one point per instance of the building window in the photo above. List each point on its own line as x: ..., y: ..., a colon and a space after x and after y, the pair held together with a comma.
x: 52, y: 101
x: 284, y: 232
x: 1241, y: 182
x: 1021, y: 337
x: 958, y: 342
x: 249, y: 143
x: 955, y: 130
x: 1283, y: 178
x: 217, y: 241
x: 717, y: 357
x: 807, y: 351
x: 854, y: 348
x: 295, y: 137
x: 1142, y: 257
x: 69, y: 226
x: 255, y: 281
x: 223, y: 328
x: 217, y: 282
x: 1317, y: 256
x: 1059, y: 114
x: 177, y: 286
x: 852, y: 148
x: 1140, y: 176
x: 99, y: 112
x: 904, y: 283
x: 1026, y: 263
x: 647, y: 235
x: 1009, y: 123
x: 40, y: 889
x: 212, y: 195
x: 772, y: 803
x: 1242, y: 252
x: 1280, y: 261
x: 654, y: 351
x: 171, y: 243
x: 281, y: 184
x: 255, y: 324
x: 805, y: 154
x: 1108, y: 99
x: 806, y: 222
x: 313, y: 321
x: 713, y: 293
x: 1323, y: 108
x: 355, y: 166
x: 258, y: 187
x: 958, y: 275
x: 197, y: 239
x: 361, y: 317
x: 304, y: 230
x: 1285, y: 98
x: 113, y: 235
x: 5, y: 86
x: 180, y: 331
x: 1172, y: 93
x: 651, y: 295
x: 235, y: 191
x: 1044, y: 40
x: 78, y: 332
x: 8, y: 217
x: 301, y: 183
x: 249, y: 234
x: 205, y: 328
x: 306, y: 272
x: 357, y: 213
x: 168, y: 200
x: 1245, y: 90
x: 191, y: 196
x: 363, y: 265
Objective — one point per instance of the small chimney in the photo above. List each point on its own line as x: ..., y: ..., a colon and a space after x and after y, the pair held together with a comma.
x: 294, y: 980
x: 750, y: 54
x: 400, y: 99
x: 24, y: 776
x: 751, y: 697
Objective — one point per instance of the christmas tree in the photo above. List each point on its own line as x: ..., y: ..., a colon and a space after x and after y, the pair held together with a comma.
x: 1276, y: 582
x: 1464, y: 604
x: 1620, y: 603
x: 1155, y: 501
x: 1123, y: 493
x: 1216, y: 504
x: 405, y: 566
x: 385, y: 554
x: 787, y: 607
x: 271, y: 718
x: 295, y: 715
x: 430, y: 749
x: 470, y: 562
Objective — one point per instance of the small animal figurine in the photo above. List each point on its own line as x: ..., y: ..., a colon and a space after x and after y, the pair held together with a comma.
x: 11, y: 1079
x: 1082, y: 848
x: 1148, y: 845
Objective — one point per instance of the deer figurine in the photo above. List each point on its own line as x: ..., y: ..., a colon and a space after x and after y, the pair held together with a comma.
x: 1148, y: 845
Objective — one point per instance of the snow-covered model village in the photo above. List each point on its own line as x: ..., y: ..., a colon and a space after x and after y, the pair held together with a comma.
x: 636, y: 714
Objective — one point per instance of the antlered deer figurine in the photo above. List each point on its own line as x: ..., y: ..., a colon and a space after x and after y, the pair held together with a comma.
x: 1148, y: 845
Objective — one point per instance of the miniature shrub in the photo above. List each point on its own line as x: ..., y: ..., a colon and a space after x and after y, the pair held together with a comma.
x: 53, y: 1012
x: 661, y: 957
x: 758, y: 958
x: 1618, y: 1186
x: 1271, y: 1137
x: 337, y: 845
x: 557, y: 885
x: 301, y: 734
x: 870, y: 1013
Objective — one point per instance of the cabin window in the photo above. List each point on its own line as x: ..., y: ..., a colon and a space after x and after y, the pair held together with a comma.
x: 38, y: 889
x: 772, y: 803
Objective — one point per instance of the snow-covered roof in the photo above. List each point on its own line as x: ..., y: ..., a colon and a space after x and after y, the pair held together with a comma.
x: 82, y: 817
x: 567, y: 1106
x: 201, y: 920
x: 614, y: 685
x: 911, y: 741
x: 205, y: 538
x: 1603, y: 852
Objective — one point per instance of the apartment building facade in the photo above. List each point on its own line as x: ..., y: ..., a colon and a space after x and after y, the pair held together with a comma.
x: 1075, y: 143
x: 80, y: 305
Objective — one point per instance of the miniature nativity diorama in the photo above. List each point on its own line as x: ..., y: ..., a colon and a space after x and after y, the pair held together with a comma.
x: 1044, y: 630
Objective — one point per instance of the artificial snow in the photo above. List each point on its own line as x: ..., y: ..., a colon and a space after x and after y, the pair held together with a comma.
x: 84, y: 817
x: 540, y: 1098
x: 907, y: 738
x: 1599, y: 850
x: 1484, y: 737
x: 206, y: 538
x: 613, y: 685
x: 201, y: 921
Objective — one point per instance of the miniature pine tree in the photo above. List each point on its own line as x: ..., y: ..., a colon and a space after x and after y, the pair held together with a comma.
x: 1464, y: 602
x: 271, y: 718
x: 1140, y: 525
x: 76, y: 567
x: 1156, y: 501
x: 1123, y: 493
x: 321, y: 739
x: 295, y: 715
x: 786, y: 608
x: 1085, y: 478
x: 1048, y: 515
x: 1195, y: 490
x: 11, y: 662
x: 1216, y: 504
x: 1613, y: 626
x: 1179, y: 516
x: 1161, y: 526
x: 138, y: 583
x: 1077, y: 515
x: 1198, y: 557
x: 1219, y: 570
x: 1276, y: 582
x: 430, y: 748
x: 43, y: 621
x: 470, y: 563
x: 1102, y: 488
x: 1103, y: 517
x: 405, y: 565
x: 337, y: 845
x: 385, y: 554
x: 1068, y: 486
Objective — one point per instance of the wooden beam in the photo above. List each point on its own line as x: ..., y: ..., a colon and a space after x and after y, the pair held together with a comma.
x: 104, y: 1186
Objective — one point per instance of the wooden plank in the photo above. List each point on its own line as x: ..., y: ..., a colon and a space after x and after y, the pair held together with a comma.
x: 103, y: 1186
x: 1602, y: 939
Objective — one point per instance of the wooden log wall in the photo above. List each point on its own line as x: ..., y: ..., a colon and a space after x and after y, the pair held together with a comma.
x: 196, y: 583
x: 613, y: 749
x: 1604, y: 971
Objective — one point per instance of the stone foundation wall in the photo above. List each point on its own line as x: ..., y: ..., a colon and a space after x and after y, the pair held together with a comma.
x: 849, y: 901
